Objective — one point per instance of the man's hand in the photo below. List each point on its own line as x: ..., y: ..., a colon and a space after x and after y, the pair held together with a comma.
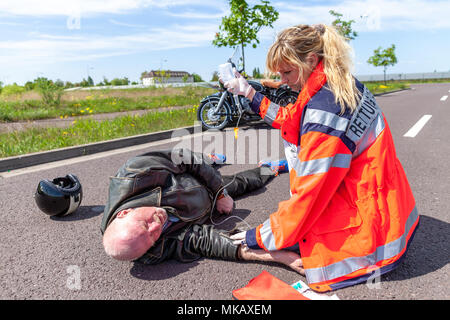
x: 225, y: 205
x: 288, y: 258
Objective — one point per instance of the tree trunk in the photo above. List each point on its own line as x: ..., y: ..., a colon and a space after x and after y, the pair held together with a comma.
x: 243, y: 57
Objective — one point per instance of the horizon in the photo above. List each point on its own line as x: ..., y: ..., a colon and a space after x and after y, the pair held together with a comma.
x: 96, y: 38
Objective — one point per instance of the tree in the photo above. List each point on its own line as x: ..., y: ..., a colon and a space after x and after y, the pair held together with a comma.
x: 243, y: 24
x: 50, y: 92
x: 84, y: 83
x: 106, y: 82
x: 29, y: 86
x: 383, y: 58
x: 344, y: 27
x: 143, y: 75
x: 197, y: 77
x: 90, y: 81
x: 120, y: 82
x: 256, y: 73
x: 215, y: 76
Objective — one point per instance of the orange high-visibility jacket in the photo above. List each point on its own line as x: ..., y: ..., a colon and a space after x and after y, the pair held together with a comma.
x: 351, y: 211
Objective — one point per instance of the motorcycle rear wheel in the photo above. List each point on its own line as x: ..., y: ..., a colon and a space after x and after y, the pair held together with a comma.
x: 285, y: 98
x: 211, y: 118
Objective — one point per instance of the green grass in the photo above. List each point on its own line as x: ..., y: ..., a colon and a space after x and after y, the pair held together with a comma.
x: 89, y: 131
x: 380, y: 87
x: 12, y: 111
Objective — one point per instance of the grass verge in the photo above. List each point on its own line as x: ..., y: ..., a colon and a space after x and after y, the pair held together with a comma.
x: 89, y: 130
x: 11, y: 111
x: 380, y: 87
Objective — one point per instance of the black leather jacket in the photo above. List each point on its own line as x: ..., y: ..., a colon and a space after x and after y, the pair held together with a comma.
x: 182, y: 182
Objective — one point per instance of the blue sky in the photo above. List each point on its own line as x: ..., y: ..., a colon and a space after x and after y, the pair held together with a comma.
x: 122, y: 38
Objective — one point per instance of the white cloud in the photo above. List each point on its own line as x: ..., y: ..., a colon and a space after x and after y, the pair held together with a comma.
x: 89, y: 7
x: 189, y: 14
x: 377, y: 14
x: 52, y: 48
x: 198, y: 28
x: 124, y: 24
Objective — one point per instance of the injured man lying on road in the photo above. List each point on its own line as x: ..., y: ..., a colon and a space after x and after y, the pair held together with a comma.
x: 161, y: 204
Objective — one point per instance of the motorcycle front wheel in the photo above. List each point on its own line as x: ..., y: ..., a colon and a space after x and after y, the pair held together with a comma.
x: 211, y: 116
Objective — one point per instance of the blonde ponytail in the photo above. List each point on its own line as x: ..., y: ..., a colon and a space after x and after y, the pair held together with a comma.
x: 337, y: 67
x: 294, y: 44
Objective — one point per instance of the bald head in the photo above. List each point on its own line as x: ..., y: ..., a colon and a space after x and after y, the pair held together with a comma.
x: 133, y: 232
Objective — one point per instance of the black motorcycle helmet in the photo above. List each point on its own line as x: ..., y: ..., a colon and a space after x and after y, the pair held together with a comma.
x: 59, y: 197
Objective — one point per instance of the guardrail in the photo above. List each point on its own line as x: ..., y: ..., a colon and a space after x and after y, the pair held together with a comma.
x: 213, y: 84
x: 404, y: 76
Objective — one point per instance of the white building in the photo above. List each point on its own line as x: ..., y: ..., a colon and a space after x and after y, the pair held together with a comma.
x: 166, y: 76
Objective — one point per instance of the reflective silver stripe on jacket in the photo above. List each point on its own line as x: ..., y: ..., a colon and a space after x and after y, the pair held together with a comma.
x: 271, y: 113
x: 267, y: 237
x: 353, y: 264
x: 305, y: 168
x: 326, y: 118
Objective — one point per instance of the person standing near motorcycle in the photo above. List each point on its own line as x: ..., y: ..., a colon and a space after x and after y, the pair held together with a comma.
x: 351, y: 211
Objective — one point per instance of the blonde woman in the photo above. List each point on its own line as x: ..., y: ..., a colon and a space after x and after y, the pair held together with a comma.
x: 351, y: 212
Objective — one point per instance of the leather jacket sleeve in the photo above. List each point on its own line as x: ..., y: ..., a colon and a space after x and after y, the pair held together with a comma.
x: 199, y: 166
x: 210, y: 242
x: 196, y: 242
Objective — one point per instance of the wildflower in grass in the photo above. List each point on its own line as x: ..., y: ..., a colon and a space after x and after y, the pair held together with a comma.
x: 65, y: 133
x: 82, y: 111
x: 90, y: 111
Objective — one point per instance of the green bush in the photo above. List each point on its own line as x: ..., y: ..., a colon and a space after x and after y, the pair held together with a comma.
x: 12, y: 89
x: 50, y: 92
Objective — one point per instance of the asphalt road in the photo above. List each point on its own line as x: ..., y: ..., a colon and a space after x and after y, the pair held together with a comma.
x: 63, y: 258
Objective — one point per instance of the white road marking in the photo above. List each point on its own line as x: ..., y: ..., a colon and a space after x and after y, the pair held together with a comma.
x: 415, y: 129
x: 444, y: 98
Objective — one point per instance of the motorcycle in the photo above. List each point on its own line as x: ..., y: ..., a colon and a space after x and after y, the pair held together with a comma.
x: 222, y: 108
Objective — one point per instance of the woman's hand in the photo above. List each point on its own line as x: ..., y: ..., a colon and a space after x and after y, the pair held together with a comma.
x: 239, y: 86
x: 238, y: 238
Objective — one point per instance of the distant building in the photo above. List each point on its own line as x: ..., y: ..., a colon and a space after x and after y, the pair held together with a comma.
x: 166, y: 76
